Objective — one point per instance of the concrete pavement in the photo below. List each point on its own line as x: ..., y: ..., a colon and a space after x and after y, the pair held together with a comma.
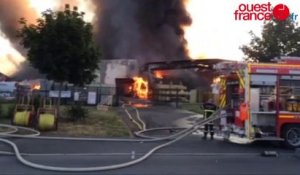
x: 191, y: 155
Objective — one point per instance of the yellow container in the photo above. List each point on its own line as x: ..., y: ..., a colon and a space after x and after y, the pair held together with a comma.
x: 22, y: 118
x: 46, y: 121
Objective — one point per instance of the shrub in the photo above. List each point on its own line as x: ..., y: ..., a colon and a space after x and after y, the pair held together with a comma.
x: 77, y: 112
x: 7, y: 110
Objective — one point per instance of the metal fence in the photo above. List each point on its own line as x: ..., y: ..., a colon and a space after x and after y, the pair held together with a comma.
x: 85, y: 96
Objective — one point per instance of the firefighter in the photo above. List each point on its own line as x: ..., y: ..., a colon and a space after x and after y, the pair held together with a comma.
x: 209, y: 109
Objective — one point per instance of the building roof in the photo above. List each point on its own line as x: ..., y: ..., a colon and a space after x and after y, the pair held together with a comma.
x: 206, y: 64
x: 3, y: 77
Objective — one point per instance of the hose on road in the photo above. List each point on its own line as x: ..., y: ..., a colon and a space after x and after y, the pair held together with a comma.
x: 170, y: 140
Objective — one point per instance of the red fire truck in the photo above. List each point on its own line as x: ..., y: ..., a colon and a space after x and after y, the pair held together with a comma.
x: 262, y: 100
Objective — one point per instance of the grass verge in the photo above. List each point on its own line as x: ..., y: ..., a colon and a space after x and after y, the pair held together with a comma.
x: 7, y: 110
x: 97, y: 124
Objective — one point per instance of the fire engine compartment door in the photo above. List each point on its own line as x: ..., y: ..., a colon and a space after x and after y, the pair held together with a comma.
x: 262, y: 100
x: 254, y: 99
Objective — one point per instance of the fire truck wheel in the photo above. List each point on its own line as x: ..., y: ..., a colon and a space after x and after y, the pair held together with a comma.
x: 291, y: 135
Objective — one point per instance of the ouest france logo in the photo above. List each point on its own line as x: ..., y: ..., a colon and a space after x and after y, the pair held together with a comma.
x: 263, y: 11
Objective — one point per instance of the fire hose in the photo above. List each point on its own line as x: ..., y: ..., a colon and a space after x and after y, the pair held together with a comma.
x: 142, y: 125
x: 139, y: 122
x: 170, y: 140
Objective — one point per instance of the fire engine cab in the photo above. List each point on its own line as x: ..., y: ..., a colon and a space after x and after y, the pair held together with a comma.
x: 262, y: 100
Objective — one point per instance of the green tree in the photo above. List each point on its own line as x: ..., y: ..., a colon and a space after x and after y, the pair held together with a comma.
x: 60, y: 45
x: 278, y: 38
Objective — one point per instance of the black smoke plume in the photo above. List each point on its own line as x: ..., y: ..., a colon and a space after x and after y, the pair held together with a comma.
x: 147, y: 30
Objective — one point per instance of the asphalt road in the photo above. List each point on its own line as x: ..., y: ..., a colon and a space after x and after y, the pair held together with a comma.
x: 191, y: 155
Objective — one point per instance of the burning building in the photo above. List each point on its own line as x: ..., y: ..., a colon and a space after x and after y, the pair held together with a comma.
x: 137, y: 31
x: 117, y: 68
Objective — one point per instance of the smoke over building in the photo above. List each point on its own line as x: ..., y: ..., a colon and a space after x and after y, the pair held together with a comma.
x: 146, y: 30
x: 10, y: 13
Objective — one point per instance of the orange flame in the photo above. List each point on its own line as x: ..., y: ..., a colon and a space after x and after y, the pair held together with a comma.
x: 216, y: 80
x: 130, y: 88
x: 36, y: 87
x: 140, y: 87
x: 158, y: 74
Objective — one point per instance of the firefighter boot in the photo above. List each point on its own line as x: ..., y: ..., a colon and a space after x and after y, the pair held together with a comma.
x: 205, y: 131
x: 211, y: 129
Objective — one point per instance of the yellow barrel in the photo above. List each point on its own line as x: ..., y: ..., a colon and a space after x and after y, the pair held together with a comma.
x: 22, y: 118
x: 46, y: 121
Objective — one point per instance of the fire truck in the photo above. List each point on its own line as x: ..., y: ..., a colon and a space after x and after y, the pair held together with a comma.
x: 261, y: 100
